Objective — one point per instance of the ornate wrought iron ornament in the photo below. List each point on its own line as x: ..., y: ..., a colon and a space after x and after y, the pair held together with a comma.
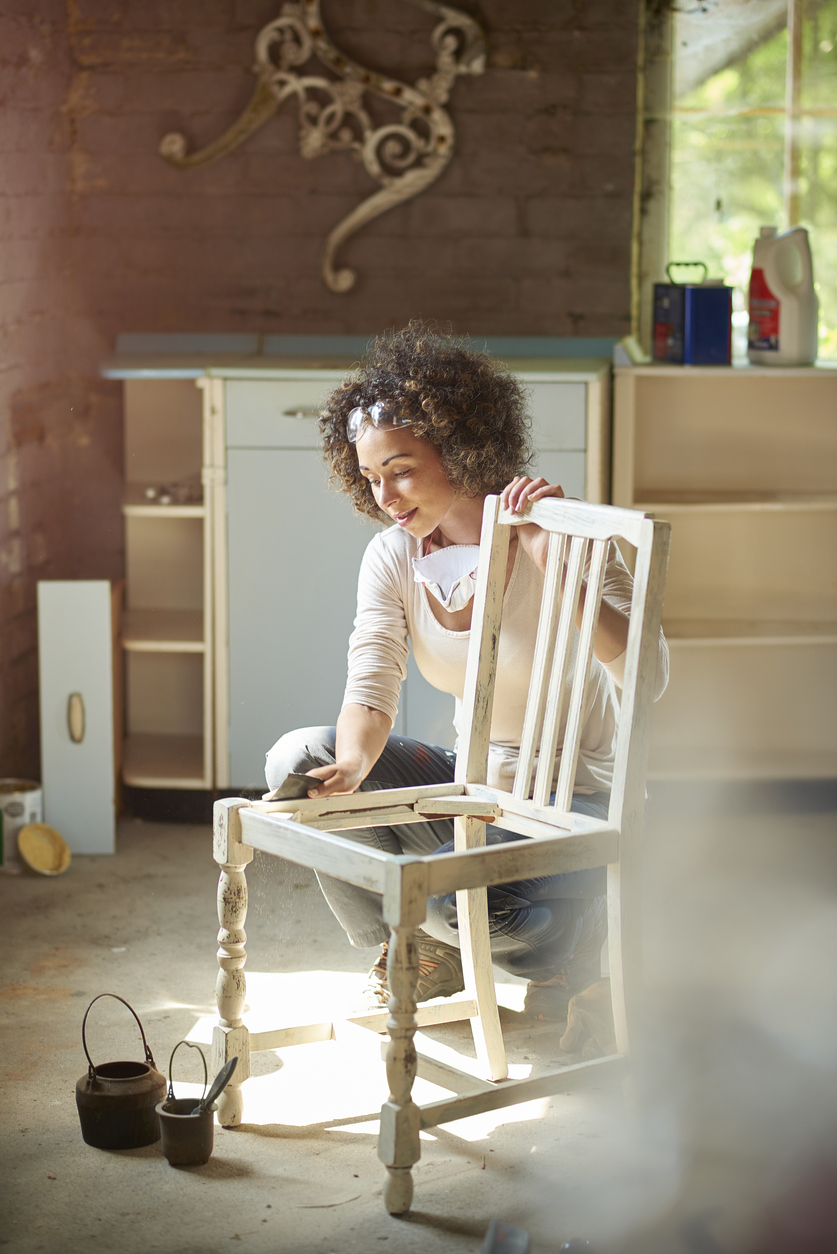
x: 404, y: 156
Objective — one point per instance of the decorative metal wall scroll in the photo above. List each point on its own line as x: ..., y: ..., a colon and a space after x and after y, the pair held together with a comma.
x: 404, y: 156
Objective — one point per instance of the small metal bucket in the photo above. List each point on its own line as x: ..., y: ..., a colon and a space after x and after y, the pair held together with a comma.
x: 117, y: 1100
x: 187, y: 1138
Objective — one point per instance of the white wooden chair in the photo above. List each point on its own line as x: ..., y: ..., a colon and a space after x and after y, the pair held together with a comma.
x: 304, y: 832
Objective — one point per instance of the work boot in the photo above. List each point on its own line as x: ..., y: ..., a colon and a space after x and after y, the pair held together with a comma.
x: 440, y: 974
x: 549, y: 1000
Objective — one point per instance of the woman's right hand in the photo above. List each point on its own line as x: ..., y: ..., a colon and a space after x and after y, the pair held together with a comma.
x: 361, y: 735
x: 337, y: 780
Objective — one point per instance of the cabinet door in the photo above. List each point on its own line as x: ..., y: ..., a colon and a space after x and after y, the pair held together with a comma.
x: 294, y: 553
x: 75, y: 656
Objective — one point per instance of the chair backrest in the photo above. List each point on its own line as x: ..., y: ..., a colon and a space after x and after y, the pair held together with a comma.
x: 579, y: 543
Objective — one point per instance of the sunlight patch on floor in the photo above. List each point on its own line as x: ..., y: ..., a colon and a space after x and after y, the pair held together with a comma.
x: 338, y: 1082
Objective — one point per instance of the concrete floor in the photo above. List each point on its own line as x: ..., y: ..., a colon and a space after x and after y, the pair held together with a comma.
x: 730, y: 1145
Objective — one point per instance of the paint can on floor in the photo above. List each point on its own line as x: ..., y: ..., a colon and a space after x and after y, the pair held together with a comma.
x: 21, y: 802
x: 187, y: 1136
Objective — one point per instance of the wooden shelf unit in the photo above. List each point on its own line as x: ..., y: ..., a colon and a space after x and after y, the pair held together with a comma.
x: 743, y: 462
x: 167, y: 626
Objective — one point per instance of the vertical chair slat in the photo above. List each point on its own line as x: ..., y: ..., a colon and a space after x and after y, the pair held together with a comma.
x: 478, y: 690
x: 560, y: 663
x: 544, y: 646
x: 584, y: 656
x: 627, y: 797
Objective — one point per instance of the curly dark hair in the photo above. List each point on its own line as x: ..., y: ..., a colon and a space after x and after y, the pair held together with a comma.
x: 462, y: 401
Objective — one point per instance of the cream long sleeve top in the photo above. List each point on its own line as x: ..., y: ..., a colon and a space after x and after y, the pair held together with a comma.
x: 393, y: 613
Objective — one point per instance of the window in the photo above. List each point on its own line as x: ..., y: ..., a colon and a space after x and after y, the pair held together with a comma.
x: 753, y: 140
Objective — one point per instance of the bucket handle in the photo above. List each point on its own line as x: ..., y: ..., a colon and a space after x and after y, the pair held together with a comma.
x: 192, y: 1045
x: 149, y: 1057
x: 677, y: 265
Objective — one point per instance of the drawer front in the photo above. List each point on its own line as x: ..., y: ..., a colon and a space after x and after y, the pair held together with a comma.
x: 559, y: 415
x: 275, y: 413
x: 282, y: 413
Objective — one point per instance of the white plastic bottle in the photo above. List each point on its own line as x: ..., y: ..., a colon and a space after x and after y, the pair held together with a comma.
x: 783, y: 304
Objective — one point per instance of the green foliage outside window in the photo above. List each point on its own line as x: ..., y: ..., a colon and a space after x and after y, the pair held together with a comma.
x: 727, y: 165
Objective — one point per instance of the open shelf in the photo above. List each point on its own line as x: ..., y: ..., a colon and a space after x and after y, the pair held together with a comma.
x: 708, y: 631
x: 135, y: 504
x: 153, y: 760
x: 167, y: 625
x: 707, y: 762
x: 658, y: 500
x: 163, y: 631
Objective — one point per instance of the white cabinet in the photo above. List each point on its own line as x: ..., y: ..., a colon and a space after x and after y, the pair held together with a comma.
x: 743, y: 462
x: 240, y: 602
x: 287, y: 566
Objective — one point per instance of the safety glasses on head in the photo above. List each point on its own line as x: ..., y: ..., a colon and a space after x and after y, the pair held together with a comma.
x: 379, y: 414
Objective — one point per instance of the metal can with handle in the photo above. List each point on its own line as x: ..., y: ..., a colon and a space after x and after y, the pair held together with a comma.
x: 117, y: 1101
x: 188, y: 1132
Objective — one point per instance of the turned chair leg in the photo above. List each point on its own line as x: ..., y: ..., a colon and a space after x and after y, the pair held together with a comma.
x: 231, y: 1038
x: 398, y: 1143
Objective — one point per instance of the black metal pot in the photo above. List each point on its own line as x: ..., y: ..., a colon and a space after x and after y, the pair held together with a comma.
x: 117, y: 1100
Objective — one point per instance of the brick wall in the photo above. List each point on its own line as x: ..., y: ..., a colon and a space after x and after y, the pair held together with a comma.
x: 527, y: 232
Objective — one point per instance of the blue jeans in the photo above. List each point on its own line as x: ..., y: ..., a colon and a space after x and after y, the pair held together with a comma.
x: 534, y: 924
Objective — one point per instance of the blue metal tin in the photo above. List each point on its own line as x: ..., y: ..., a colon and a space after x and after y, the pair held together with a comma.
x: 693, y: 324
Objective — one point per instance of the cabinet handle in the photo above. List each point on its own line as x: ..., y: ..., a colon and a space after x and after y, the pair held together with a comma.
x: 300, y: 413
x: 75, y: 717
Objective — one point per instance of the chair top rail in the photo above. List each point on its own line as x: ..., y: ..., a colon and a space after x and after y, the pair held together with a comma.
x: 579, y: 518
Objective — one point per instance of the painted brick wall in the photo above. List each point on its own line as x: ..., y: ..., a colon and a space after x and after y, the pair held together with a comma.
x: 526, y: 233
x: 60, y: 426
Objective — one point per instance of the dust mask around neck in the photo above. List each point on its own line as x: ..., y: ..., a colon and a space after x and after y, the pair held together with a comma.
x: 449, y: 574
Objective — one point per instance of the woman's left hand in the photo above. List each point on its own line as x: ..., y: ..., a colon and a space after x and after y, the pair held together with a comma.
x: 517, y: 496
x: 611, y: 637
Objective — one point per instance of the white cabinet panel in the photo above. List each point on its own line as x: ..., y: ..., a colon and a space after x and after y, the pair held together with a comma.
x: 568, y: 469
x: 294, y: 553
x: 75, y: 655
x: 559, y: 415
x: 427, y: 713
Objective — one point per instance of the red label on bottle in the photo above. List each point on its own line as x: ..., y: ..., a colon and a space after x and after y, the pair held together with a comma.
x: 764, y: 315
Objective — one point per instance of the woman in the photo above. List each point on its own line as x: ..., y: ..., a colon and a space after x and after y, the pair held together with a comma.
x: 420, y: 435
